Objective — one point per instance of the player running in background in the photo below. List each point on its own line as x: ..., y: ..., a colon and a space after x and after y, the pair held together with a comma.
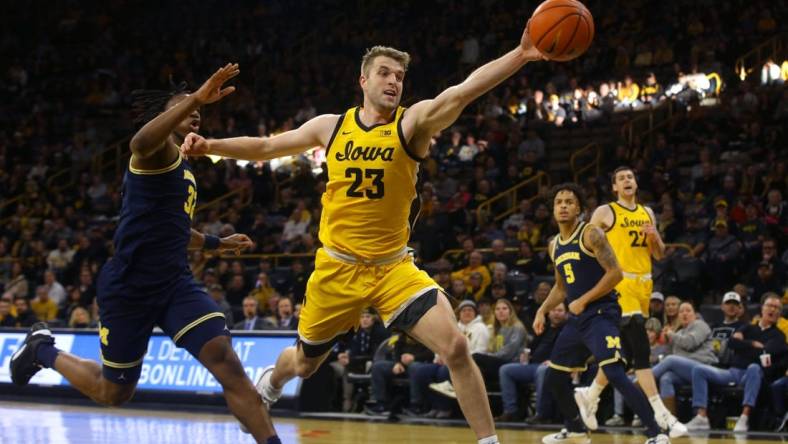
x: 631, y: 229
x: 148, y: 282
x: 586, y: 273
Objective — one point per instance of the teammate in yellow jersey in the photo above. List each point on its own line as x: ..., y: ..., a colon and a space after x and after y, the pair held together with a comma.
x: 373, y: 153
x: 632, y: 233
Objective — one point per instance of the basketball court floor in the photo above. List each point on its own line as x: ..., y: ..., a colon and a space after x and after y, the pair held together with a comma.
x: 26, y: 423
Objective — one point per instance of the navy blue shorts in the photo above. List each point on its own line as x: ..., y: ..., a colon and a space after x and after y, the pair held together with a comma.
x: 185, y: 312
x: 594, y: 333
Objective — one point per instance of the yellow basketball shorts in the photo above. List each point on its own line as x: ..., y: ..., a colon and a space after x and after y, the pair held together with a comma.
x: 634, y: 295
x: 339, y: 290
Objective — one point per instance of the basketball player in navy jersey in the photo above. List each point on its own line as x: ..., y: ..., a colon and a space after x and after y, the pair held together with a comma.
x: 148, y: 282
x: 586, y: 273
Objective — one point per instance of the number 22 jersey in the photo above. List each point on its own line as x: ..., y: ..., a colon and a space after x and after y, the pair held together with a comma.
x: 370, y: 197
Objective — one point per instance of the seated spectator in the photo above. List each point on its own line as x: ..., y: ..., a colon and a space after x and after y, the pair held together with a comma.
x: 251, y: 320
x: 656, y: 306
x: 18, y: 285
x: 722, y: 255
x: 284, y: 319
x: 87, y: 290
x: 354, y: 355
x: 459, y: 291
x: 530, y: 370
x: 422, y: 376
x: 527, y: 262
x: 24, y: 316
x: 748, y: 344
x: 556, y: 114
x: 474, y: 265
x: 765, y: 280
x: 42, y: 306
x: 80, y: 318
x: 236, y: 290
x: 628, y: 93
x: 499, y: 255
x: 73, y: 301
x: 688, y: 347
x: 651, y: 91
x: 499, y: 274
x: 263, y: 289
x: 217, y: 294
x: 507, y: 340
x: 671, y: 315
x: 55, y: 289
x: 60, y: 258
x: 393, y: 359
x: 475, y: 286
x: 732, y: 310
x: 6, y: 318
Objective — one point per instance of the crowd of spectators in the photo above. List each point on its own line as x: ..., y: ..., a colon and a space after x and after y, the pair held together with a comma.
x: 716, y: 179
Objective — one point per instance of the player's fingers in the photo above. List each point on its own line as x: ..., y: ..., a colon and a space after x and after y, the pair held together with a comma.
x: 226, y: 91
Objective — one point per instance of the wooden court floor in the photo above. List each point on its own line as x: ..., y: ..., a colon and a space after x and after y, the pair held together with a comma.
x: 25, y: 423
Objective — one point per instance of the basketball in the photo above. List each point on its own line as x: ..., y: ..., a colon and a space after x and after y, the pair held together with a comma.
x: 561, y: 29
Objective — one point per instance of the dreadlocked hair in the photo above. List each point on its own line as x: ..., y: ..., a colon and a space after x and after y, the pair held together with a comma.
x: 149, y: 103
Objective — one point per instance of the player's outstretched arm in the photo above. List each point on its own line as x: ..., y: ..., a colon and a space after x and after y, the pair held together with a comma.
x: 315, y: 132
x: 234, y: 242
x: 151, y: 137
x: 427, y: 117
x: 594, y: 238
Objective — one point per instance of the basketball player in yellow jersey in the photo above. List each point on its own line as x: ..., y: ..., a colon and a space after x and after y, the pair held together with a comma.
x: 372, y: 155
x: 632, y: 233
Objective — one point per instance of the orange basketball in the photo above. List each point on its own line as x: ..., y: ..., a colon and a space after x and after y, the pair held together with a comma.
x: 561, y: 29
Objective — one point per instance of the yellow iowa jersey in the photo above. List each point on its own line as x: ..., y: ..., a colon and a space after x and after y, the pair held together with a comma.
x: 371, y: 188
x: 627, y: 239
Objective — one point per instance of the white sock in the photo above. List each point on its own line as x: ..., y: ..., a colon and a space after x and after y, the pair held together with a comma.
x: 595, y: 389
x: 657, y: 405
x: 489, y: 440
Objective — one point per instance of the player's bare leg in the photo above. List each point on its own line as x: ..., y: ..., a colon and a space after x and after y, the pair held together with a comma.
x: 438, y: 330
x: 293, y: 363
x: 244, y: 402
x: 38, y: 351
x: 85, y: 376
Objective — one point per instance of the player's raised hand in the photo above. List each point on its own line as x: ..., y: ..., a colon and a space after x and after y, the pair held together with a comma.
x: 539, y: 324
x: 529, y: 50
x: 194, y: 145
x: 236, y: 243
x: 212, y: 91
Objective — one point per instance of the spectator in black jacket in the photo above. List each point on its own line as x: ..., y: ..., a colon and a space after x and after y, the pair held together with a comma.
x: 354, y: 354
x: 392, y: 359
x: 720, y: 333
x: 24, y: 316
x: 754, y: 347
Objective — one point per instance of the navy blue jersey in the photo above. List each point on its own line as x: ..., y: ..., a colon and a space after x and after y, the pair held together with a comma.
x: 153, y: 233
x: 578, y: 266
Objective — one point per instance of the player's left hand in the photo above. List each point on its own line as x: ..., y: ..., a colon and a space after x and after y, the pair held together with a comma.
x: 529, y: 50
x: 650, y: 230
x: 577, y: 307
x: 235, y: 242
x: 212, y: 91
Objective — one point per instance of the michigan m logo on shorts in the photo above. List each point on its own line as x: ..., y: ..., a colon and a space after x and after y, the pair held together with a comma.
x: 613, y: 342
